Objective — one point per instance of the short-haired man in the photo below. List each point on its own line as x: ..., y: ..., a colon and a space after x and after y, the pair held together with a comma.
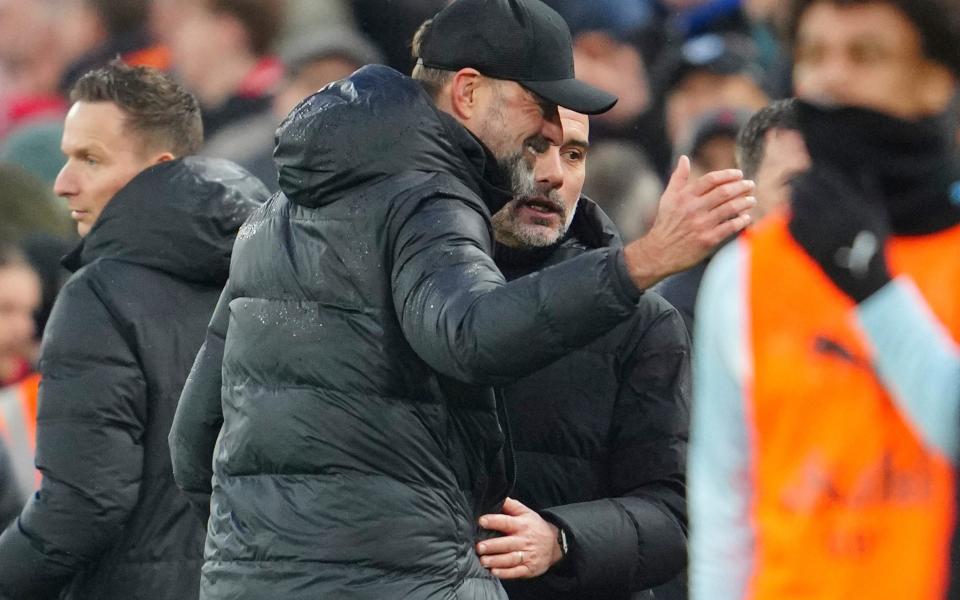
x: 827, y: 368
x: 771, y: 152
x: 344, y: 385
x: 108, y: 522
x: 599, y: 435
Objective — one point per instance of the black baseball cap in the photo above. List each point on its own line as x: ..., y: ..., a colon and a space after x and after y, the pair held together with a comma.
x: 518, y: 40
x: 720, y: 54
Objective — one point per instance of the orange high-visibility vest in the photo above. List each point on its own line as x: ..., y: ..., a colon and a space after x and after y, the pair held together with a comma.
x: 848, y: 501
x: 18, y: 429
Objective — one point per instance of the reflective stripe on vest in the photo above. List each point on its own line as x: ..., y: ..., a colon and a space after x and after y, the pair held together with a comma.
x: 848, y: 502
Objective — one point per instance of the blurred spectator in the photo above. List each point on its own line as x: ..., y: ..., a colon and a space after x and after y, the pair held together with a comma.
x: 35, y: 147
x: 305, y: 17
x: 222, y: 53
x: 309, y: 62
x: 392, y: 25
x: 28, y: 206
x: 30, y: 62
x: 621, y: 180
x: 19, y: 298
x: 712, y: 146
x: 607, y: 55
x: 824, y: 440
x: 94, y: 32
x: 707, y: 73
x: 771, y: 151
x: 690, y: 18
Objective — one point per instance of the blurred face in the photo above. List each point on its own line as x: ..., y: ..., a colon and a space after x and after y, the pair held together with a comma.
x: 19, y: 299
x: 867, y: 55
x: 701, y: 92
x: 102, y: 157
x: 718, y: 152
x: 197, y: 45
x: 80, y: 29
x: 784, y: 157
x: 541, y: 218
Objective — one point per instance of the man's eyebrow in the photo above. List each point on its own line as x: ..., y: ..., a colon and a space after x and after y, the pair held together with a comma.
x: 86, y: 148
x: 582, y: 144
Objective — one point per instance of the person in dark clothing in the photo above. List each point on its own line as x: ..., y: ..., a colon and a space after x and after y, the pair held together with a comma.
x: 343, y: 389
x: 10, y: 498
x: 599, y: 436
x: 108, y: 521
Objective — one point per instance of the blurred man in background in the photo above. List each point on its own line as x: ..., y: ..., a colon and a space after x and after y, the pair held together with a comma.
x: 223, y: 52
x: 599, y: 436
x: 827, y: 368
x: 771, y: 151
x: 108, y: 521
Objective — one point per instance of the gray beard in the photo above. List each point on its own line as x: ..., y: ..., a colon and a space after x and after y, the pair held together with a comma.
x: 509, y: 229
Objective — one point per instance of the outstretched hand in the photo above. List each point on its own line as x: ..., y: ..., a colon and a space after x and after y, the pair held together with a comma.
x: 528, y: 547
x: 694, y: 218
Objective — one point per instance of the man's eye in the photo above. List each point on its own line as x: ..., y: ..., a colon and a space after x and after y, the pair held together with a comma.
x: 574, y: 155
x: 90, y: 161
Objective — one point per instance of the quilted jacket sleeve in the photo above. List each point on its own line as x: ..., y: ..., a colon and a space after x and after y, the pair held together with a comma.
x: 90, y: 424
x: 463, y: 319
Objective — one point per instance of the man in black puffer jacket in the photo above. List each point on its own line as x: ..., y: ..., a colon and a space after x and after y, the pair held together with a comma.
x: 600, y: 435
x: 108, y: 522
x: 342, y: 389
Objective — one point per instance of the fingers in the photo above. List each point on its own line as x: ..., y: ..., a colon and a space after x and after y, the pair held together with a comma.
x: 514, y: 507
x: 521, y: 572
x: 732, y: 227
x: 500, y: 545
x: 505, y: 560
x: 711, y: 180
x: 502, y: 523
x: 732, y: 208
x: 680, y: 176
x: 726, y: 192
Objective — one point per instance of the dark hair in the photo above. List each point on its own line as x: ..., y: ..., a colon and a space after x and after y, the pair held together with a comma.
x: 121, y: 16
x: 166, y: 116
x: 430, y: 78
x: 751, y: 140
x: 262, y: 20
x: 937, y: 21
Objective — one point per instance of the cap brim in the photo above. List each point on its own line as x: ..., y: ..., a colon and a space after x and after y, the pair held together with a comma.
x: 573, y: 94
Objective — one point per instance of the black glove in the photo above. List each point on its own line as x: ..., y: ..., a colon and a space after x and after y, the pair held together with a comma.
x: 843, y: 228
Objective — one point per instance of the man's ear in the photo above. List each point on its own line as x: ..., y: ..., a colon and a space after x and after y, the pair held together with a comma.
x: 163, y: 157
x: 465, y: 92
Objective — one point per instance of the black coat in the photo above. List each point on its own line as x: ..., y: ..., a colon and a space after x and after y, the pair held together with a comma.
x: 11, y: 498
x: 600, y: 440
x: 362, y: 325
x: 108, y: 521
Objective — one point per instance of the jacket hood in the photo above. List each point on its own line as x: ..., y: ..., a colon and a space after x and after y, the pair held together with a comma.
x: 370, y: 126
x: 180, y: 217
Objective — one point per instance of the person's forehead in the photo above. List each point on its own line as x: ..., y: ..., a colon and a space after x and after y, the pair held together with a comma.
x: 870, y: 21
x: 576, y: 126
x: 96, y: 123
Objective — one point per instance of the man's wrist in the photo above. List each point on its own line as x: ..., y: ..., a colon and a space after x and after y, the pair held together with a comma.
x: 642, y: 264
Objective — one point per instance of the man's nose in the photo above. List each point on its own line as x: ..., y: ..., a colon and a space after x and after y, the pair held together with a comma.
x: 549, y: 168
x: 64, y: 184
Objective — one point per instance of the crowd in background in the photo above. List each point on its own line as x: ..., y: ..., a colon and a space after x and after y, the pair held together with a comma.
x: 687, y: 72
